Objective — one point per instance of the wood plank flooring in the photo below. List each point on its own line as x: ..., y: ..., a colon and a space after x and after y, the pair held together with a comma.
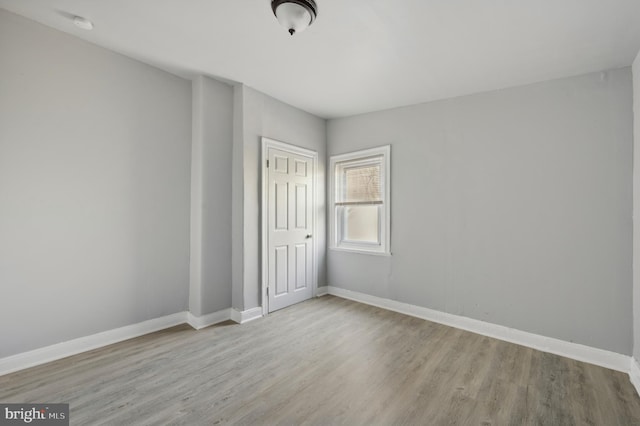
x: 327, y: 361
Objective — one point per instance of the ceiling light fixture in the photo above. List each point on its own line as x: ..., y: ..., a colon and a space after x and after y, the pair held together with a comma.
x: 295, y: 15
x: 83, y: 23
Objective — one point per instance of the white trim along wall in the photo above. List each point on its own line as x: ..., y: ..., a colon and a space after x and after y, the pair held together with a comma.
x: 61, y: 350
x: 600, y: 357
x: 634, y: 374
x: 575, y: 351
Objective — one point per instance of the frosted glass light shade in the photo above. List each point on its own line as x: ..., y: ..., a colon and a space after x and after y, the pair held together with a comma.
x: 294, y: 15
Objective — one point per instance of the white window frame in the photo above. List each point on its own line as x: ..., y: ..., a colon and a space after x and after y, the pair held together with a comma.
x: 335, y: 242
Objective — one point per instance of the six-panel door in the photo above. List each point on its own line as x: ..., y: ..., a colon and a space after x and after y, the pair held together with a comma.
x: 290, y: 214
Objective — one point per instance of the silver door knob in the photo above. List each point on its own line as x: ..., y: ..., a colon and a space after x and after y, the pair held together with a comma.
x: 308, y: 236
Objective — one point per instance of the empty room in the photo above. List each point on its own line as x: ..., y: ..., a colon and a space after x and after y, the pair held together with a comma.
x: 283, y: 212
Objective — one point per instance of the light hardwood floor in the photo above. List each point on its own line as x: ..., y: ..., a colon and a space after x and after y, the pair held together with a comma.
x: 327, y: 361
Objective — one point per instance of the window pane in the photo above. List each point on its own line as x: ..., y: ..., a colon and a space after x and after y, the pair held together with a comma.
x: 361, y: 224
x: 362, y: 184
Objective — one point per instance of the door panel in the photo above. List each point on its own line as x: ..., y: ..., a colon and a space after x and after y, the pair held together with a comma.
x: 282, y: 270
x: 290, y: 225
x: 282, y: 206
x: 301, y: 266
x: 301, y: 168
x: 281, y: 164
x: 301, y: 206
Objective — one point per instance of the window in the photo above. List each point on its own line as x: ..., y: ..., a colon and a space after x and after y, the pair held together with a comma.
x: 359, y: 201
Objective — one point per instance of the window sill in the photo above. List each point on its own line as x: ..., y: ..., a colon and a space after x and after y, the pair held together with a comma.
x: 372, y: 253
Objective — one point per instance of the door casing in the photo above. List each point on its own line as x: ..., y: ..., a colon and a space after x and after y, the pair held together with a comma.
x: 264, y: 232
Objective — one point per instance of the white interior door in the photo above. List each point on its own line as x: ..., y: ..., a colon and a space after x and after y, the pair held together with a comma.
x: 289, y: 207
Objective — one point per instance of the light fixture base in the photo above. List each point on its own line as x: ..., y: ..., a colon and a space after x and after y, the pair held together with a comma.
x: 83, y: 23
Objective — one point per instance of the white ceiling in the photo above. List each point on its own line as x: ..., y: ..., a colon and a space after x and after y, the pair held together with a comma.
x: 361, y: 55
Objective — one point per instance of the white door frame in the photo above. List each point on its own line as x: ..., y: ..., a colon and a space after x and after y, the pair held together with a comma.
x: 272, y: 143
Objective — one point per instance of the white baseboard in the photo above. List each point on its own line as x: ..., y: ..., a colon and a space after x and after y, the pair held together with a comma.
x: 634, y: 374
x: 576, y: 351
x: 603, y: 358
x: 57, y: 351
x: 209, y: 319
x: 242, y: 317
x: 87, y: 343
x: 322, y: 291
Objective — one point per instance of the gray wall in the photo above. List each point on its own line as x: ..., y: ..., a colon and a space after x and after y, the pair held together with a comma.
x: 512, y: 207
x: 265, y: 116
x: 636, y: 208
x: 212, y: 142
x: 94, y: 188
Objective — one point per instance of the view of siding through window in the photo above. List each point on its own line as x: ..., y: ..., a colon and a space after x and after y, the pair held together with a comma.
x: 362, y: 200
x: 363, y: 184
